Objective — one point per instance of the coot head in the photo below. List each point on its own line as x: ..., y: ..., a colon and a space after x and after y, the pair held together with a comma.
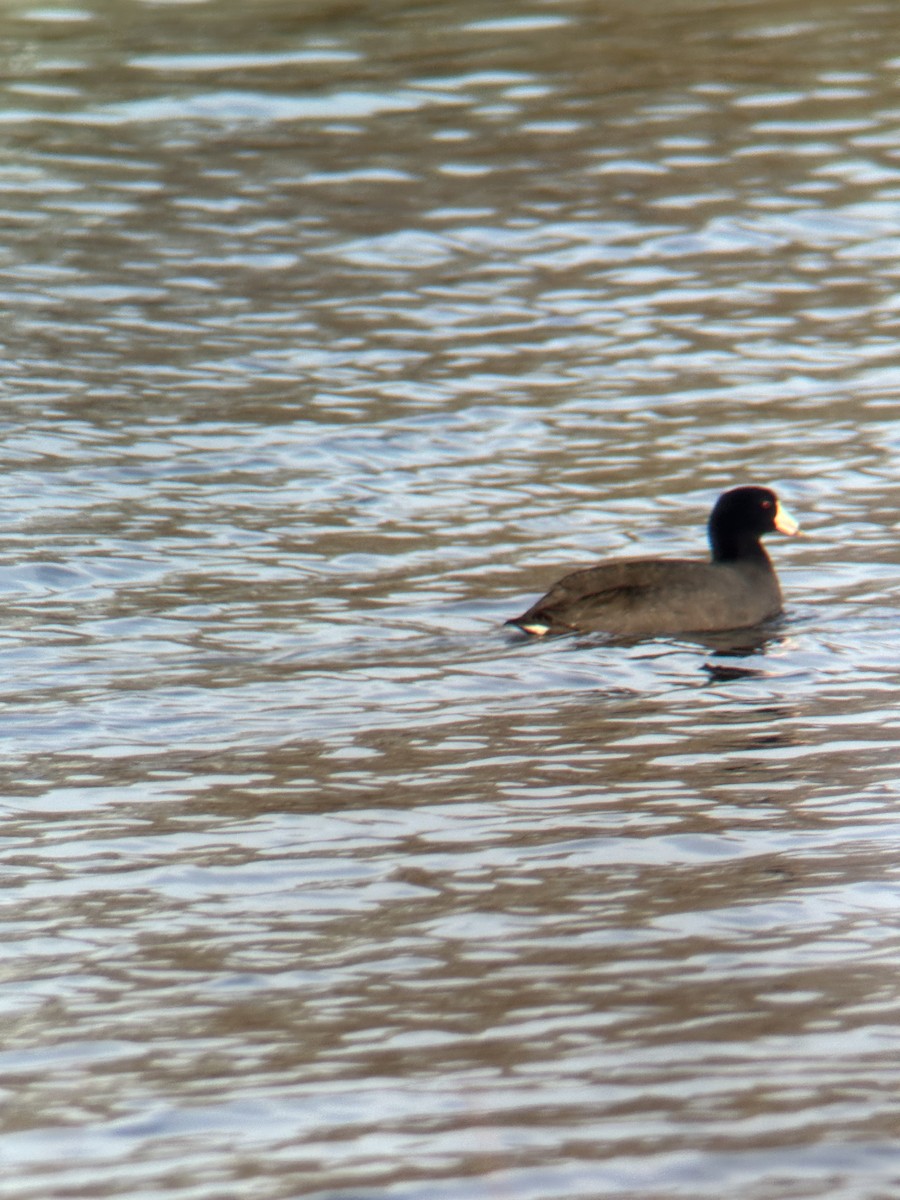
x: 741, y: 517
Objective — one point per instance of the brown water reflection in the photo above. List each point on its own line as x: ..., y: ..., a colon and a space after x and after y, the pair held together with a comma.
x: 331, y: 336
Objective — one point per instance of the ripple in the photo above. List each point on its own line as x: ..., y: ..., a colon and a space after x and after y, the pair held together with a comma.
x: 237, y: 107
x: 246, y: 60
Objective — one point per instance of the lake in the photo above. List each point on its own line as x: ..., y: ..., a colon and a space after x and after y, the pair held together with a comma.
x: 333, y: 334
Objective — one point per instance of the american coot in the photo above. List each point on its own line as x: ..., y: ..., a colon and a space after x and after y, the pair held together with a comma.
x: 641, y: 597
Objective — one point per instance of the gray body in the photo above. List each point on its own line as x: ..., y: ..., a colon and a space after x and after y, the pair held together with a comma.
x: 639, y: 597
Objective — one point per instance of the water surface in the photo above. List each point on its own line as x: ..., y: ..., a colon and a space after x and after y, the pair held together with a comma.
x: 331, y: 337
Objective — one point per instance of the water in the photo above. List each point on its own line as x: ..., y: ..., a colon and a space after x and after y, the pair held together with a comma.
x: 332, y: 336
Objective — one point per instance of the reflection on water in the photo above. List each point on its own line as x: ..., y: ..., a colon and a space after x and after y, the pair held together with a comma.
x: 331, y: 337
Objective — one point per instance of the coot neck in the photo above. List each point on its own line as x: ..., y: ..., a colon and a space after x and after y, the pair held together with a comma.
x: 729, y: 545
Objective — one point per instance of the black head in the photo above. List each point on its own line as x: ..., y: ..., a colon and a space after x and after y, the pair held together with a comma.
x: 741, y: 517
